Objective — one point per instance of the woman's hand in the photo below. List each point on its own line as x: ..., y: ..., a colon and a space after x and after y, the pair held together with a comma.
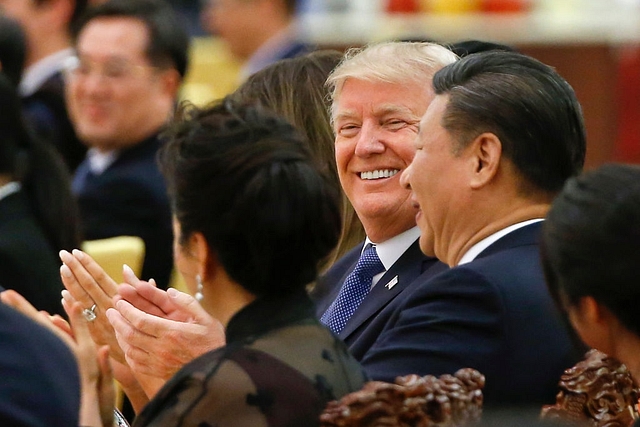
x: 157, y: 346
x: 88, y: 284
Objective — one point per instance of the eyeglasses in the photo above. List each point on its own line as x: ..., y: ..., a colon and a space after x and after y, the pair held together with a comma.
x: 113, y: 70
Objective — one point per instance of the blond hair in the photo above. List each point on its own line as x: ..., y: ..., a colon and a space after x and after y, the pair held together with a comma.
x: 389, y: 62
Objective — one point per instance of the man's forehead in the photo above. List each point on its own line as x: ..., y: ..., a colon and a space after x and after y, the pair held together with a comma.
x: 104, y: 36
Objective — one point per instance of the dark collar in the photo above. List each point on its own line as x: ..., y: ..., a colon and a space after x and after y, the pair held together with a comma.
x: 268, y: 313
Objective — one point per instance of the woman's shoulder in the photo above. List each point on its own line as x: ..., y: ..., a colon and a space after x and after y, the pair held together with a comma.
x: 288, y: 376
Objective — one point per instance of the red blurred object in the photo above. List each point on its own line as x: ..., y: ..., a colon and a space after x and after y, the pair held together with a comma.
x: 505, y: 6
x: 403, y: 6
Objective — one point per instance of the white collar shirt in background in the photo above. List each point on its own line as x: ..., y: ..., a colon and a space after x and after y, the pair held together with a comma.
x: 35, y: 75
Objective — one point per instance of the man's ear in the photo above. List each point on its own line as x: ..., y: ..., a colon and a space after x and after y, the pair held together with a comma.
x: 171, y: 81
x: 486, y: 153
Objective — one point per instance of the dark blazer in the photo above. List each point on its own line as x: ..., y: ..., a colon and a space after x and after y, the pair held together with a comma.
x: 28, y: 262
x: 40, y: 383
x: 368, y: 321
x: 290, y: 50
x: 280, y: 367
x: 130, y: 198
x: 46, y: 111
x: 493, y: 314
x: 295, y: 49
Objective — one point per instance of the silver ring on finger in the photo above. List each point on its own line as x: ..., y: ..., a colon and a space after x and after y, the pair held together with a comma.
x: 90, y: 313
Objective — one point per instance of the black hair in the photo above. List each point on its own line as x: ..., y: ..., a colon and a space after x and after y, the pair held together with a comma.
x: 591, y: 241
x: 526, y: 104
x: 246, y: 180
x: 168, y: 41
x: 468, y: 47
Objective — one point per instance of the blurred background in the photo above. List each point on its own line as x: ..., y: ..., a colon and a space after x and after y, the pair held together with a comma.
x: 594, y: 44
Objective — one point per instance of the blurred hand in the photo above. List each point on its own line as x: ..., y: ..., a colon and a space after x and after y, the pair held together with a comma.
x: 97, y: 387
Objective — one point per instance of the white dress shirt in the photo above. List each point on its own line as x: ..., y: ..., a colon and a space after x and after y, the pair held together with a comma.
x: 483, y: 244
x: 391, y: 250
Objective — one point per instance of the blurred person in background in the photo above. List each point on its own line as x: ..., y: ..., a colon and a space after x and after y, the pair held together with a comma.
x: 38, y: 214
x: 47, y: 27
x: 257, y: 32
x: 122, y: 89
x: 13, y: 45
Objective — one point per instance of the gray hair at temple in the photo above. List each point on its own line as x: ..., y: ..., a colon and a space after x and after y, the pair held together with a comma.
x: 390, y: 62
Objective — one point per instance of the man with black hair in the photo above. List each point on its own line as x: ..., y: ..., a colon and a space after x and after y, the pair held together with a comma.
x: 122, y: 88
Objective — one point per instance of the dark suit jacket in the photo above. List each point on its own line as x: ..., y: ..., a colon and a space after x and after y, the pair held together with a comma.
x: 368, y: 321
x: 130, y: 198
x: 40, y: 383
x: 46, y: 110
x: 493, y: 314
x: 290, y: 50
x: 295, y: 49
x: 28, y: 262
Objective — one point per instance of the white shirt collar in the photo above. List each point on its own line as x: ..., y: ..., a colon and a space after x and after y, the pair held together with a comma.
x: 99, y: 161
x: 391, y: 250
x: 483, y: 244
x: 269, y: 50
x: 36, y: 74
x: 9, y: 188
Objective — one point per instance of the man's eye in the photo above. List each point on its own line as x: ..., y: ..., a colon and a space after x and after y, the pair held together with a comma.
x: 395, y: 124
x: 115, y: 70
x: 348, y: 130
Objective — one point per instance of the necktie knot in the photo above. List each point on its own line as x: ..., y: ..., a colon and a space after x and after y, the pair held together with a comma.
x: 355, y: 288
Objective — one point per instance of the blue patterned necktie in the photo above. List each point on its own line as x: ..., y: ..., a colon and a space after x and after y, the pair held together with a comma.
x: 355, y: 288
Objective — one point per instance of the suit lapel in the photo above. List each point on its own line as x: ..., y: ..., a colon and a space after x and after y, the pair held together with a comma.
x: 404, y: 271
x: 329, y: 285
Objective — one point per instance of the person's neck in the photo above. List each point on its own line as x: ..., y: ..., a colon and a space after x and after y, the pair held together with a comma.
x: 229, y: 298
x: 627, y: 350
x: 450, y: 249
x: 380, y: 230
x: 40, y: 50
x: 269, y: 30
x: 5, y: 179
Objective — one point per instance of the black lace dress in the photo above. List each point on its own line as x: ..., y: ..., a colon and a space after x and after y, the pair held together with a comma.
x: 280, y: 367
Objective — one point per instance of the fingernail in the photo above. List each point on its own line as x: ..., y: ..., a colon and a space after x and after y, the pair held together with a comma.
x: 65, y: 294
x: 64, y: 256
x: 78, y: 254
x: 172, y: 292
x: 65, y: 271
x: 152, y: 282
x: 128, y: 270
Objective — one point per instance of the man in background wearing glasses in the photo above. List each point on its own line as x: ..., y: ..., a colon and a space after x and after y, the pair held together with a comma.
x: 122, y: 86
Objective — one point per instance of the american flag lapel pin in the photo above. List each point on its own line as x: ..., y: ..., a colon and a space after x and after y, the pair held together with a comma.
x: 391, y: 283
